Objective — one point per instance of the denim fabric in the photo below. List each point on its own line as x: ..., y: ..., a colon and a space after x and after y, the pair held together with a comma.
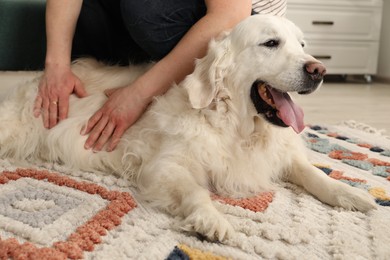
x: 119, y: 31
x: 22, y: 34
x: 158, y: 26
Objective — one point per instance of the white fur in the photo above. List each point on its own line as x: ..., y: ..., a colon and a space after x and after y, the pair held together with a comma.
x: 203, y: 134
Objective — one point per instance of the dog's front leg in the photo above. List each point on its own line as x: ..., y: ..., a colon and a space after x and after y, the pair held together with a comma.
x: 172, y: 187
x: 328, y: 190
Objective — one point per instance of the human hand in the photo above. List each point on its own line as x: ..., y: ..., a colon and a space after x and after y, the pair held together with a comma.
x: 55, y: 87
x: 122, y: 109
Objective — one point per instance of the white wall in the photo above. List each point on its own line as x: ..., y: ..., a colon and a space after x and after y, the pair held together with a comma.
x: 384, y: 51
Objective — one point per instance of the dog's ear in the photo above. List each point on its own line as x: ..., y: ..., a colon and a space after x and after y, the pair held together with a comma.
x: 203, y: 84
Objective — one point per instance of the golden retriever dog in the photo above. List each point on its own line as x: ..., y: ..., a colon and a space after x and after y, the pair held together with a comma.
x: 229, y: 128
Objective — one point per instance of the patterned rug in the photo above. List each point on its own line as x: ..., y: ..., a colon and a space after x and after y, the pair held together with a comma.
x: 50, y: 212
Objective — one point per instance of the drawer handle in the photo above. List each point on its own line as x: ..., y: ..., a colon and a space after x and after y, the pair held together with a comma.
x: 323, y: 57
x: 322, y: 22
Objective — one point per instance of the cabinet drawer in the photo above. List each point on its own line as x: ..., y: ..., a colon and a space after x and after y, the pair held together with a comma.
x: 346, y: 57
x: 340, y: 23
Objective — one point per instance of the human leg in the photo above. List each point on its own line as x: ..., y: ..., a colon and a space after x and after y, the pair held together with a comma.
x: 100, y: 33
x: 158, y: 25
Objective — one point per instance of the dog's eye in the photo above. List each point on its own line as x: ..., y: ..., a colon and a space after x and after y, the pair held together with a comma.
x: 302, y: 44
x: 271, y: 43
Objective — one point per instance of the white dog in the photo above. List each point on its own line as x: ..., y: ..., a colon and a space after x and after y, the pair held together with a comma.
x: 227, y: 128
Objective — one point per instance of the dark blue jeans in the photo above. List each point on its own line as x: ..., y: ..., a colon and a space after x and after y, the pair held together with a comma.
x: 136, y: 31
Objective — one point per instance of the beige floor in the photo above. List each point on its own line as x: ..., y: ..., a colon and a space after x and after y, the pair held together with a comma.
x: 333, y: 103
x: 336, y: 102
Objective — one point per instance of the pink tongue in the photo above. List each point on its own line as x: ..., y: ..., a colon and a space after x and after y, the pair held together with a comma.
x: 290, y: 113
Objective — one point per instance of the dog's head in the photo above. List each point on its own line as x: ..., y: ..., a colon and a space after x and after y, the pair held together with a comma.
x: 258, y: 62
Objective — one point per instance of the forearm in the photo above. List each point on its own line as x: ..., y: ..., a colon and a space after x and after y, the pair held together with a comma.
x: 61, y: 19
x: 180, y: 61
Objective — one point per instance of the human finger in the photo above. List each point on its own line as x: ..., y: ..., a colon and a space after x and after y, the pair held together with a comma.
x: 45, y: 112
x: 104, y: 136
x: 92, y: 121
x: 79, y: 89
x: 96, y: 131
x: 110, y: 91
x: 115, y: 138
x: 63, y: 108
x: 53, y: 113
x: 37, y: 106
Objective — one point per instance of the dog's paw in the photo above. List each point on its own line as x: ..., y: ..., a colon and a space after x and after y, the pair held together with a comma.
x: 354, y: 199
x: 210, y: 223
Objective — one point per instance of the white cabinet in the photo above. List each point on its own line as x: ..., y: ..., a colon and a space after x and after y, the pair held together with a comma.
x: 343, y: 34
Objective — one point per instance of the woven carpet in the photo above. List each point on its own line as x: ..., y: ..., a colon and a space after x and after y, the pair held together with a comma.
x: 51, y: 212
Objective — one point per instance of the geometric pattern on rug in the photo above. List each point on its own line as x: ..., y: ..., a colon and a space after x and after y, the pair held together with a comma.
x: 378, y: 193
x: 183, y: 252
x: 360, y: 160
x: 287, y: 223
x: 56, y: 217
x: 256, y: 203
x: 356, y: 159
x: 373, y: 148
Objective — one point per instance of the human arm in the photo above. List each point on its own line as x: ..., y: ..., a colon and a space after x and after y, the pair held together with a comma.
x: 126, y: 104
x: 58, y: 81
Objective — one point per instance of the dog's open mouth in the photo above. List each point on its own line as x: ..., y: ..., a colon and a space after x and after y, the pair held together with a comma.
x: 276, y: 106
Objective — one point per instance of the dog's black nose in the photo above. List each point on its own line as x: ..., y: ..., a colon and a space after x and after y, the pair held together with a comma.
x: 316, y: 70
